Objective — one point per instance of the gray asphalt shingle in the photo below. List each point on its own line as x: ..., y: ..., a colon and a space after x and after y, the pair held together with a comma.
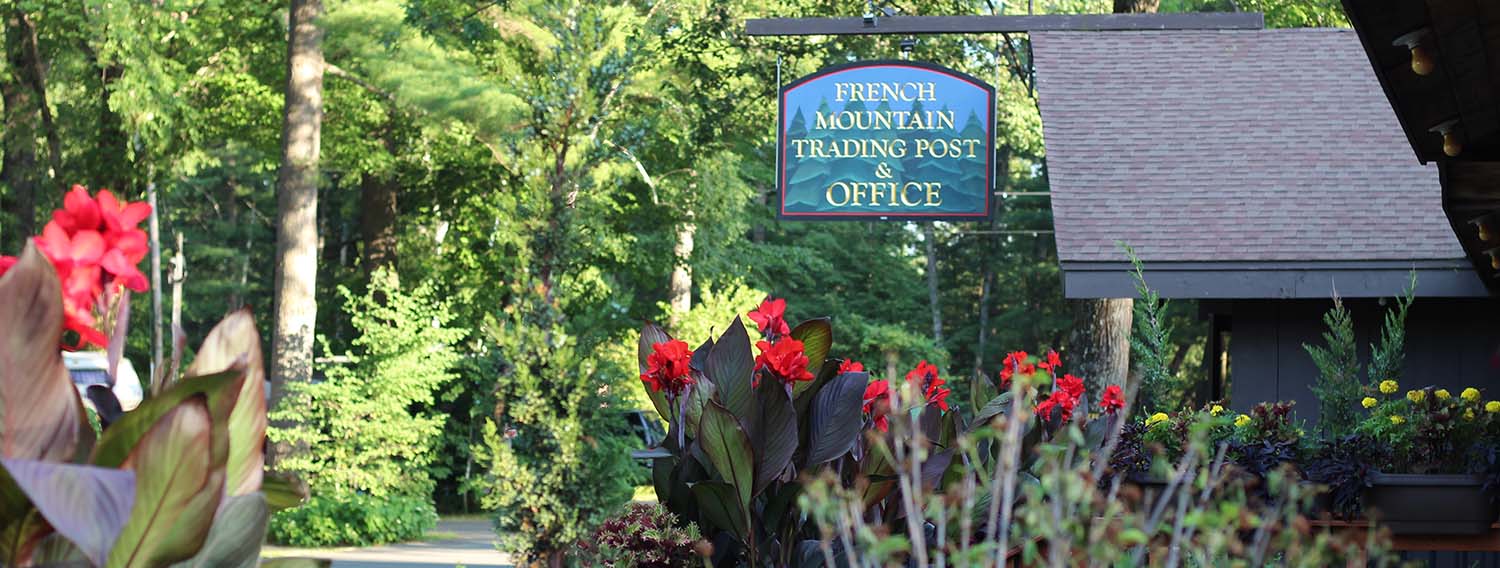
x: 1269, y: 145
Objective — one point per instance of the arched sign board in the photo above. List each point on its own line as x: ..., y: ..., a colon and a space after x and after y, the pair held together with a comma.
x: 897, y: 140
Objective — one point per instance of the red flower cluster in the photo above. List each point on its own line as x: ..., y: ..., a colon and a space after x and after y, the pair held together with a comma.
x: 94, y: 245
x: 1112, y: 401
x: 849, y: 366
x: 667, y: 367
x: 784, y: 359
x: 1017, y: 362
x: 1053, y: 364
x: 770, y: 317
x: 878, y: 403
x: 926, y: 376
x: 1065, y: 395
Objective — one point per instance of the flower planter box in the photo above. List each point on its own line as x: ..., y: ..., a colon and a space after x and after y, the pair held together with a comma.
x: 1430, y: 504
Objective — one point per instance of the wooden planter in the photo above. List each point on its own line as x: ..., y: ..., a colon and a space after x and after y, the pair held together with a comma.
x: 1430, y: 504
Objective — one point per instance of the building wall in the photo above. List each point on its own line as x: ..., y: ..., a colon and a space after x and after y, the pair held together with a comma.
x: 1450, y: 343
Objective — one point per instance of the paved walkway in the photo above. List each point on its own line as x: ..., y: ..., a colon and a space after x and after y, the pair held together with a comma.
x: 467, y: 543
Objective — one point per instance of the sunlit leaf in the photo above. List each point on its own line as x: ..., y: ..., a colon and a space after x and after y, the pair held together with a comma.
x: 235, y: 343
x: 179, y: 484
x: 42, y: 415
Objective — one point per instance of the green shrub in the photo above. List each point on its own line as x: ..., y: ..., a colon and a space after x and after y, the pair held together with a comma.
x: 353, y: 519
x: 559, y: 457
x: 370, y: 423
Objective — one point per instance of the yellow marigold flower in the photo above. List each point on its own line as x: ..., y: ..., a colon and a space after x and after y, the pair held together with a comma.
x: 1242, y: 421
x: 1469, y: 414
x: 1492, y: 406
x: 1155, y: 419
x: 1369, y: 402
x: 1416, y: 396
x: 1389, y: 387
x: 1397, y: 420
x: 1216, y: 410
x: 1442, y: 394
x: 1470, y: 394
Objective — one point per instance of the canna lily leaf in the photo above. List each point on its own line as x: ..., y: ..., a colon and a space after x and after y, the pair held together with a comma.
x: 283, y: 491
x: 56, y: 551
x: 716, y: 501
x: 835, y: 419
x: 651, y: 335
x: 723, y: 439
x: 816, y: 336
x: 998, y: 406
x: 772, y: 433
x: 42, y: 417
x: 235, y: 343
x: 234, y: 540
x: 803, y: 391
x: 179, y: 482
x: 729, y: 366
x: 124, y: 436
x: 86, y: 504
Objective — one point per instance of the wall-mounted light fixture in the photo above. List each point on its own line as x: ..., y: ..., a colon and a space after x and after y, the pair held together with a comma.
x: 1448, y: 129
x: 1484, y: 227
x: 1422, y: 62
x: 1495, y: 259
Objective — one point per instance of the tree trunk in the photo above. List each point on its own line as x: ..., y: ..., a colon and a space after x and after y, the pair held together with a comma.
x: 932, y: 284
x: 377, y: 221
x: 1100, y: 346
x: 18, y: 170
x: 984, y: 319
x: 297, y: 206
x: 680, y: 292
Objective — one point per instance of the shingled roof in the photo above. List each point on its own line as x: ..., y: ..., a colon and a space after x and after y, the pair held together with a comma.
x: 1265, y: 146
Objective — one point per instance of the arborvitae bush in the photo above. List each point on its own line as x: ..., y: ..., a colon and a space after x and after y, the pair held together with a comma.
x: 1337, y: 389
x: 368, y: 416
x: 558, y: 450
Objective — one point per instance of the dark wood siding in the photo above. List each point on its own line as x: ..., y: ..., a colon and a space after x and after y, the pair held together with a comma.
x: 1450, y: 343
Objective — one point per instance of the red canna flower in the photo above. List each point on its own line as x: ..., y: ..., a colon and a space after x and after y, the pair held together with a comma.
x: 849, y: 366
x: 878, y: 404
x: 1058, y: 400
x: 926, y: 377
x: 1073, y: 385
x: 1005, y: 375
x: 94, y: 245
x: 1053, y: 363
x: 667, y: 367
x: 770, y: 317
x: 6, y: 262
x: 1112, y: 401
x: 783, y: 359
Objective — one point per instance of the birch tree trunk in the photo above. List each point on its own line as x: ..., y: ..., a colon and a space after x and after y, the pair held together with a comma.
x: 297, y: 206
x: 680, y: 289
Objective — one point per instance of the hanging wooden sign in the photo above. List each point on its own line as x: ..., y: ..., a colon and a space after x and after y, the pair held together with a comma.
x: 886, y: 140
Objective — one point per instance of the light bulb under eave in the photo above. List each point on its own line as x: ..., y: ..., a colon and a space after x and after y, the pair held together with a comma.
x: 1452, y: 147
x: 1422, y: 62
x: 1495, y: 260
x: 1485, y: 233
